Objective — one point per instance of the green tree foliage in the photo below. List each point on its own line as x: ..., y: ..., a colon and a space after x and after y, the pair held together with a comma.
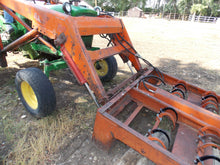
x: 200, y: 7
x: 172, y: 6
x: 118, y: 5
x: 184, y: 6
x: 213, y: 7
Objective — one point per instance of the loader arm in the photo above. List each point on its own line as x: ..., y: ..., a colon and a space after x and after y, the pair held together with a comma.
x: 52, y: 24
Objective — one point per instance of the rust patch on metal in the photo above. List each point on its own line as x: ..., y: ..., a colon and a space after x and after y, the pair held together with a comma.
x: 61, y: 39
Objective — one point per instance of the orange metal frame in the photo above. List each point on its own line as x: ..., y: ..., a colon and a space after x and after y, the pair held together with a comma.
x: 188, y: 101
x: 190, y: 113
x: 52, y: 24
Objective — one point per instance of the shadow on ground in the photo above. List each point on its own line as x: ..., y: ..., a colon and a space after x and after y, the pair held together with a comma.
x: 204, y: 78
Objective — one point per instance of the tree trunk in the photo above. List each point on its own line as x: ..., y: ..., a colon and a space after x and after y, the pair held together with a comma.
x: 193, y: 17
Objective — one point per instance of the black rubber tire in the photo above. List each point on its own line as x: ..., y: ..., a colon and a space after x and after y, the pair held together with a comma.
x: 112, y: 69
x: 43, y: 90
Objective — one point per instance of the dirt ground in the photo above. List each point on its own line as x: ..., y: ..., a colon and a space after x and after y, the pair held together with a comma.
x: 187, y: 50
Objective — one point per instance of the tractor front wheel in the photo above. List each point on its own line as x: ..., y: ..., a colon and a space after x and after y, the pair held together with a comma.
x: 106, y: 68
x: 36, y: 92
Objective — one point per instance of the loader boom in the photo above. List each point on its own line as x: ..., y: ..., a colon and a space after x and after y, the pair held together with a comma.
x: 52, y: 24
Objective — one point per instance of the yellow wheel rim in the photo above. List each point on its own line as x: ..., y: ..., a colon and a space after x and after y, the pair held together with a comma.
x: 29, y: 95
x: 101, y: 67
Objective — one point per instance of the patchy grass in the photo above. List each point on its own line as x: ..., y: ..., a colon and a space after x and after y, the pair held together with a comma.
x: 42, y: 138
x: 36, y: 141
x: 26, y: 140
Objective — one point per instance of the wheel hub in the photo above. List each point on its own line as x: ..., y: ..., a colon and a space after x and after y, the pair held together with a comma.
x: 29, y: 95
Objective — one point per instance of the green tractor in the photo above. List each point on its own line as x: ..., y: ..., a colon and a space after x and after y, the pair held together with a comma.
x: 33, y: 87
